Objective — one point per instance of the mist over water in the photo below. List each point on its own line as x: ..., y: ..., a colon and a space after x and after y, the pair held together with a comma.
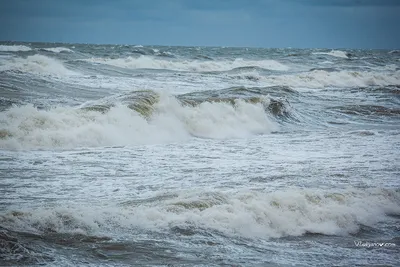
x: 117, y: 155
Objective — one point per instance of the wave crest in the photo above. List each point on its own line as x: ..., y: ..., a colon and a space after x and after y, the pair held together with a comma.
x: 37, y: 64
x: 245, y: 213
x: 58, y: 49
x: 148, y: 62
x: 334, y: 53
x: 324, y: 79
x: 167, y: 121
x: 14, y: 48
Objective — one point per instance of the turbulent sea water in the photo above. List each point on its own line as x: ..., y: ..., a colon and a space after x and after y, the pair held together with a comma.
x: 117, y: 155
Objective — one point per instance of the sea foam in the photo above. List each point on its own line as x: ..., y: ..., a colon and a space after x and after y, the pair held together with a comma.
x: 293, y: 212
x: 26, y: 127
x: 14, y: 48
x: 148, y: 62
x: 334, y: 53
x: 37, y: 64
x: 58, y: 49
x: 324, y: 79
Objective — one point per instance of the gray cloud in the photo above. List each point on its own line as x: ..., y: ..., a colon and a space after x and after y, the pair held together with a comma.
x: 267, y: 23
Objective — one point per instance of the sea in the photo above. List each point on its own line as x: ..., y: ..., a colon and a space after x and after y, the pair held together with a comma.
x: 136, y: 155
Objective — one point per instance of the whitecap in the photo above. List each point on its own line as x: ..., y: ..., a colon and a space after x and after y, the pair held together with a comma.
x: 334, y: 53
x: 37, y: 64
x: 58, y: 49
x: 27, y: 127
x: 14, y: 48
x: 147, y: 62
x: 336, y: 79
x: 243, y: 213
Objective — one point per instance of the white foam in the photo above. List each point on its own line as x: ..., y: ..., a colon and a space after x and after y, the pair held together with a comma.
x: 324, y: 79
x: 7, y: 56
x: 243, y: 213
x: 58, y: 49
x: 390, y: 67
x: 14, y: 48
x: 148, y: 62
x: 28, y: 127
x: 37, y: 64
x: 333, y: 53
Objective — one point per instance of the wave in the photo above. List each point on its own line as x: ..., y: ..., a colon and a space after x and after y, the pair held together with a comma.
x: 334, y: 53
x: 14, y: 48
x: 148, y: 62
x: 327, y: 62
x: 14, y: 252
x: 255, y: 95
x: 37, y: 64
x: 167, y: 120
x: 57, y: 49
x: 319, y: 78
x: 203, y: 57
x: 293, y: 212
x: 368, y: 110
x: 6, y: 103
x: 163, y: 53
x: 325, y: 69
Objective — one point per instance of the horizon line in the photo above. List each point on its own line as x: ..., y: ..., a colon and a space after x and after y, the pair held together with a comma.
x: 204, y: 46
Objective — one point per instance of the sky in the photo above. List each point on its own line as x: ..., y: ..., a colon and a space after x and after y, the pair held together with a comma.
x: 245, y: 23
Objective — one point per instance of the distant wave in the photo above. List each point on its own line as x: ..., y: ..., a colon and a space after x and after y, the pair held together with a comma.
x: 37, y: 64
x: 163, y: 53
x: 203, y: 57
x: 14, y: 48
x: 58, y: 49
x: 327, y: 62
x: 334, y: 53
x: 325, y: 69
x: 244, y: 213
x: 147, y: 62
x: 367, y: 110
x: 323, y: 79
x: 167, y: 120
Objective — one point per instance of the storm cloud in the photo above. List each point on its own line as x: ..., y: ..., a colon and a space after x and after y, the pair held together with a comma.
x: 262, y: 23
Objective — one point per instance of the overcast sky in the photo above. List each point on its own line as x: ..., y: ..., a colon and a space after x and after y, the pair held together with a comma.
x: 250, y: 23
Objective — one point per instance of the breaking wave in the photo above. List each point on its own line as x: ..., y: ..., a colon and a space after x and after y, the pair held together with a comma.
x: 37, y: 64
x: 156, y: 119
x: 244, y: 213
x: 148, y: 62
x: 14, y: 48
x: 58, y: 49
x: 334, y: 53
x: 326, y: 78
